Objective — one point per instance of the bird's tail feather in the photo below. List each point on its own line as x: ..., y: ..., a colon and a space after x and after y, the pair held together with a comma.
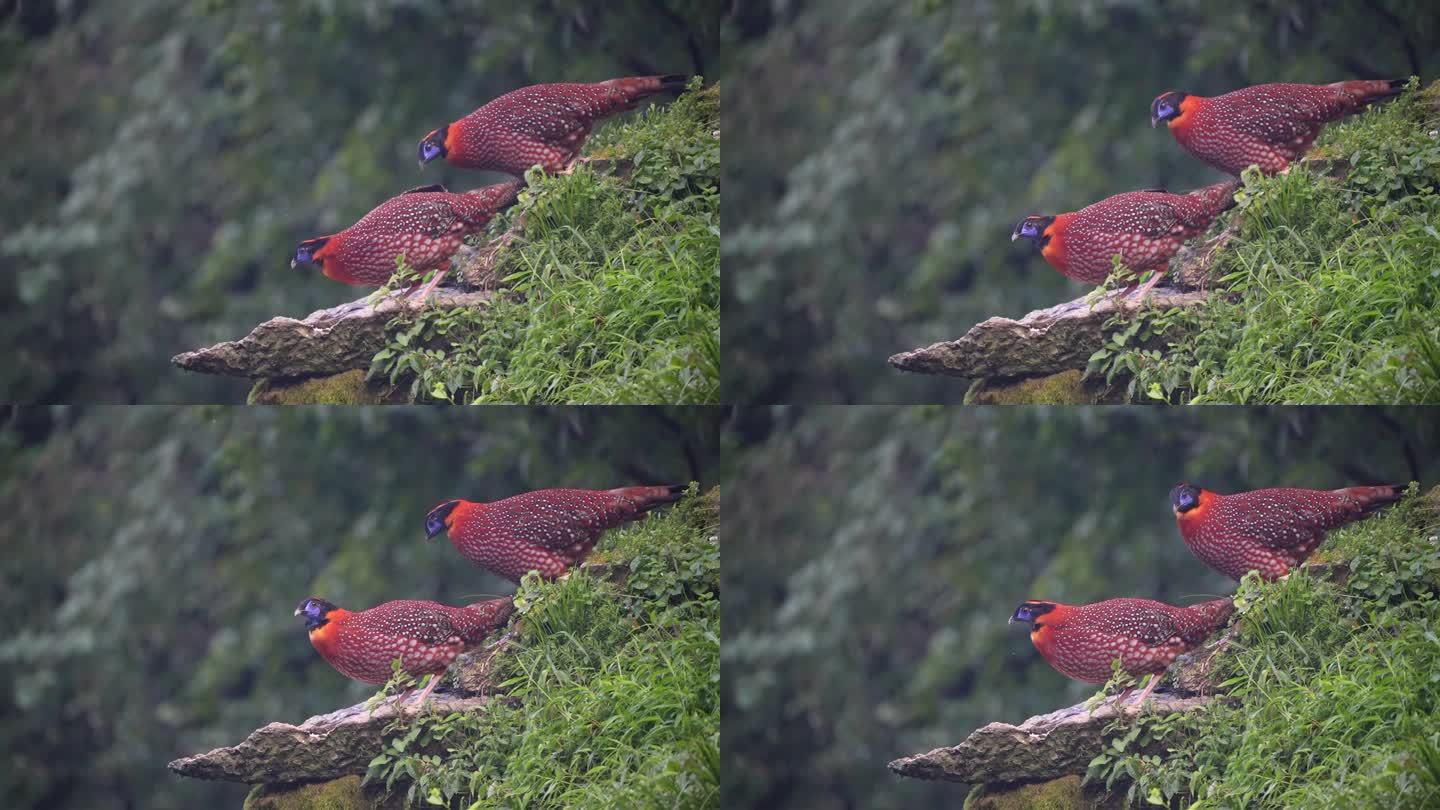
x: 1372, y: 499
x: 1366, y: 91
x: 1216, y: 611
x: 488, y: 615
x: 647, y: 498
x: 635, y: 88
x: 1219, y: 197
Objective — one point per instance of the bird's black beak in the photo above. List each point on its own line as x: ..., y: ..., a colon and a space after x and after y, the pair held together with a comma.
x: 422, y: 165
x: 297, y: 611
x: 1012, y: 619
x: 430, y: 532
x: 1153, y: 121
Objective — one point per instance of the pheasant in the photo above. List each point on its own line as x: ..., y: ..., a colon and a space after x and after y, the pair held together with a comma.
x: 544, y: 123
x: 1080, y: 641
x: 1145, y: 228
x: 426, y: 225
x: 1268, y: 530
x: 425, y: 636
x: 1269, y: 125
x: 548, y: 530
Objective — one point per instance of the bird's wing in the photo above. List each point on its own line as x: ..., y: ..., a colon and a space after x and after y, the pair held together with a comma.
x: 557, y: 522
x: 1156, y: 217
x: 1281, y: 523
x: 425, y: 622
x: 436, y: 218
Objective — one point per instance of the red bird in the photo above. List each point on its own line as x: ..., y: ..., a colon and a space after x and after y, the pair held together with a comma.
x: 1145, y: 228
x: 543, y: 123
x: 1268, y: 125
x: 1268, y: 530
x: 549, y: 530
x: 425, y: 636
x: 1081, y: 641
x: 426, y: 225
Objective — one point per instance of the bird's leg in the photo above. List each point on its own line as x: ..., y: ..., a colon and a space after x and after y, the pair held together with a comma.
x: 400, y: 698
x: 1120, y: 698
x: 1144, y: 693
x: 429, y: 288
x: 434, y: 679
x: 1149, y: 285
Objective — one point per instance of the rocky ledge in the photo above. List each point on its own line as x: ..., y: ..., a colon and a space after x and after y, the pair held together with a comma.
x: 323, y: 747
x: 329, y: 341
x: 1042, y: 761
x: 1044, y: 747
x: 1046, y: 341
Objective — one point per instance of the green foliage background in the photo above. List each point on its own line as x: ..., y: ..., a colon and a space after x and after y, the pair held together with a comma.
x: 895, y: 145
x: 163, y: 157
x: 874, y: 554
x: 153, y: 558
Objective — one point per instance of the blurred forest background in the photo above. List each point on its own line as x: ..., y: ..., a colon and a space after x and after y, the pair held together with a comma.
x: 163, y: 157
x: 876, y: 553
x: 872, y: 186
x: 154, y: 556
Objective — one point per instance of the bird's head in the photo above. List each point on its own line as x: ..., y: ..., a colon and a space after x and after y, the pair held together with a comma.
x: 1166, y: 107
x: 316, y: 612
x: 1033, y: 228
x: 439, y: 519
x: 433, y: 146
x: 1030, y: 612
x: 1185, y: 497
x: 310, y: 252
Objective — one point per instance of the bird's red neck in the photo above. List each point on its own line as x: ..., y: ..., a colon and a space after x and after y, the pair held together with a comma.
x: 453, y: 148
x: 1180, y: 124
x: 1042, y: 633
x: 1193, y: 516
x: 465, y: 510
x: 327, y: 636
x: 330, y: 263
x: 1054, y: 239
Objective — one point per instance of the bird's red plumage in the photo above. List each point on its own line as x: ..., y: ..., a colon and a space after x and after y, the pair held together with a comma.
x: 1145, y: 228
x: 425, y: 636
x: 1080, y: 641
x: 544, y: 123
x: 1269, y: 125
x: 427, y: 227
x: 548, y: 530
x: 1272, y: 530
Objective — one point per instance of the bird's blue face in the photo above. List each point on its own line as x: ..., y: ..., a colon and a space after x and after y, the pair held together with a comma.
x: 435, y: 521
x: 305, y: 252
x: 1165, y: 107
x: 1029, y: 611
x: 315, y: 612
x: 433, y: 146
x: 1032, y: 228
x: 1184, y: 497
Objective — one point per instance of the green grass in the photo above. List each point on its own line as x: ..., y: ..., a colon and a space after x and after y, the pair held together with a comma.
x: 1333, y: 690
x: 612, y: 293
x: 613, y: 692
x: 1332, y: 286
